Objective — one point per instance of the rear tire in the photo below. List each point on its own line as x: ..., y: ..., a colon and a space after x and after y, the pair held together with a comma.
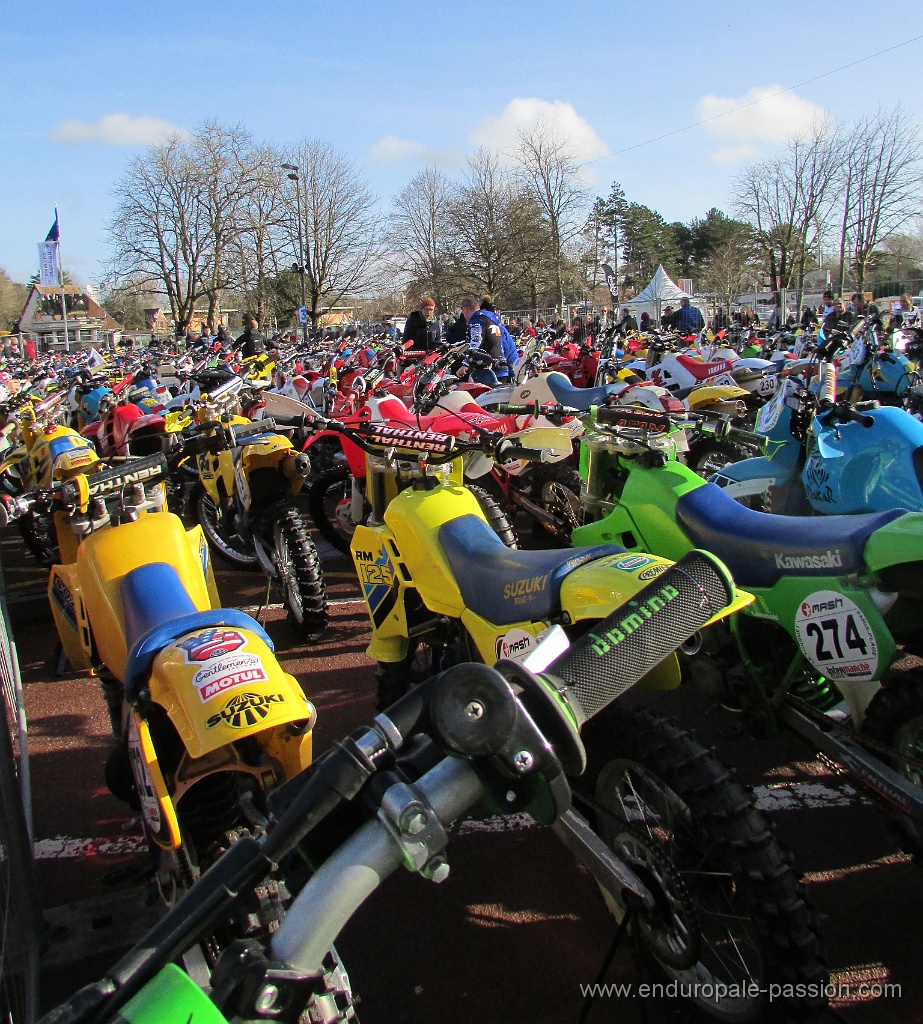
x: 709, y: 457
x: 496, y: 518
x: 329, y: 495
x: 556, y: 488
x: 730, y: 910
x: 300, y: 576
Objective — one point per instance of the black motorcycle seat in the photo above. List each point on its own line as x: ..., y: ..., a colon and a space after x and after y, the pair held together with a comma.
x: 503, y: 585
x: 759, y: 548
x: 578, y: 398
x: 158, y: 610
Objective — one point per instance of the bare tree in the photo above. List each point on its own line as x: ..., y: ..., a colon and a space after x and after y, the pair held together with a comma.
x: 482, y: 224
x: 550, y: 172
x: 160, y: 231
x: 786, y: 200
x: 229, y: 179
x: 880, y: 186
x: 418, y: 232
x: 341, y: 224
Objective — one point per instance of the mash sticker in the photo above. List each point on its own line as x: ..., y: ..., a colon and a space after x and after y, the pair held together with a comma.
x: 836, y: 637
x: 516, y: 645
x: 211, y: 643
x: 227, y: 673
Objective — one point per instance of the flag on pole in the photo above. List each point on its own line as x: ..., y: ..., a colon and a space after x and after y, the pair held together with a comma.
x: 610, y: 281
x: 48, y: 256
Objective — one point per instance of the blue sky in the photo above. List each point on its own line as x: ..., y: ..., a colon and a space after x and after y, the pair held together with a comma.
x: 398, y: 85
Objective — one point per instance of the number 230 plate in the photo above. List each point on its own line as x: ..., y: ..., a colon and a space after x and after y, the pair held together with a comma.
x: 836, y: 637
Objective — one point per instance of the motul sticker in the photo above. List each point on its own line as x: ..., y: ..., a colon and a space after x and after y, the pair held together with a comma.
x: 632, y: 562
x: 244, y: 710
x: 211, y: 643
x: 227, y: 673
x: 516, y: 644
x: 836, y: 637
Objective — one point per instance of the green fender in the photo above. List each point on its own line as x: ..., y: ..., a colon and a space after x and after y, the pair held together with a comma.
x: 897, y: 543
x: 172, y: 997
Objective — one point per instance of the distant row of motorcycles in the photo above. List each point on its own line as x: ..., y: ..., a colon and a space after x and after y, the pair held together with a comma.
x: 497, y: 668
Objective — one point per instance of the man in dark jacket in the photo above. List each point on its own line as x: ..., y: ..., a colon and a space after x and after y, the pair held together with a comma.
x: 251, y: 342
x: 422, y: 328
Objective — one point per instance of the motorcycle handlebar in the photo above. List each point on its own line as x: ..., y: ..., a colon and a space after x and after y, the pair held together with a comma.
x: 638, y: 419
x: 601, y: 665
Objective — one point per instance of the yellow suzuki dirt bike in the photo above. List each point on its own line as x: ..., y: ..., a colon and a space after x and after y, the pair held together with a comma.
x: 244, y: 502
x: 47, y: 452
x: 206, y: 721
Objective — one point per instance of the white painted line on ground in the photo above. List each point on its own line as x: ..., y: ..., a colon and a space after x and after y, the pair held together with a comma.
x: 801, y: 796
x: 64, y: 847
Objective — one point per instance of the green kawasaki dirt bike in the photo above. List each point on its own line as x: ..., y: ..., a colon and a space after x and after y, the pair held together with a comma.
x: 839, y: 599
x: 697, y: 876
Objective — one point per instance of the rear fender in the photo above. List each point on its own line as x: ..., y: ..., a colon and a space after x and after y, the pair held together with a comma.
x: 215, y: 697
x: 896, y: 543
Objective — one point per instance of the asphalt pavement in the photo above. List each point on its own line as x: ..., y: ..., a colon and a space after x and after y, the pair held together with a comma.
x: 518, y: 927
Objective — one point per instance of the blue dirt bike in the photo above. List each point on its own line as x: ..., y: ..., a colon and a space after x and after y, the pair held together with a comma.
x: 827, y: 456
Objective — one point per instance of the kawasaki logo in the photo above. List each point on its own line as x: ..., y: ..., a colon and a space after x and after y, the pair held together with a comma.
x: 831, y: 560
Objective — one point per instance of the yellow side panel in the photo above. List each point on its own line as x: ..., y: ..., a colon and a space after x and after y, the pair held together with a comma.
x: 495, y: 642
x: 221, y: 684
x: 106, y: 556
x: 67, y: 608
x: 415, y: 517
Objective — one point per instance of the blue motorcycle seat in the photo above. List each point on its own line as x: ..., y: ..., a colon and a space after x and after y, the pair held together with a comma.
x: 759, y: 548
x: 579, y: 398
x: 503, y: 585
x: 158, y: 610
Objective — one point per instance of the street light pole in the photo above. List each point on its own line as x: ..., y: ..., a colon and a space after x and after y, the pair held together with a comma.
x: 293, y: 176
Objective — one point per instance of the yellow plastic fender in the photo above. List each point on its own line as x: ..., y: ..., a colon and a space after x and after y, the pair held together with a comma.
x: 221, y: 684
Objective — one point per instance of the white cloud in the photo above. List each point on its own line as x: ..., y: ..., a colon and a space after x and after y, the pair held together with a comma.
x: 118, y: 130
x: 500, y: 133
x: 764, y: 114
x: 734, y: 154
x: 390, y: 149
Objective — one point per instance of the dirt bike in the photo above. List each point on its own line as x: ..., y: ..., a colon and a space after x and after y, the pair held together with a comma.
x: 672, y: 840
x: 244, y: 502
x: 205, y: 721
x: 838, y: 602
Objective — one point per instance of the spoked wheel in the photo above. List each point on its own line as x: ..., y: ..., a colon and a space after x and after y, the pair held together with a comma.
x: 300, y: 576
x: 556, y: 488
x: 730, y: 917
x: 221, y: 537
x: 895, y: 717
x: 709, y: 457
x: 330, y: 502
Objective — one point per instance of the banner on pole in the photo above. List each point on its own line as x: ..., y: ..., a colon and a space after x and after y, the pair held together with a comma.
x: 612, y: 283
x: 48, y: 264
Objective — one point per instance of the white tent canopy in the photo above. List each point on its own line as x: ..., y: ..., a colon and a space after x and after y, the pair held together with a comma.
x: 659, y: 293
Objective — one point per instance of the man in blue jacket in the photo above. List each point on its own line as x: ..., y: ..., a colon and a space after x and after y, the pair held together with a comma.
x: 688, y: 319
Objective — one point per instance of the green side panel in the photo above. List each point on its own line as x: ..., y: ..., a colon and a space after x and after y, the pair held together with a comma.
x: 172, y: 998
x: 645, y: 520
x: 899, y: 542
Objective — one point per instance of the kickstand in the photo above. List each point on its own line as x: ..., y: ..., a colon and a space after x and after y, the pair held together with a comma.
x: 60, y: 660
x: 596, y: 987
x: 265, y: 605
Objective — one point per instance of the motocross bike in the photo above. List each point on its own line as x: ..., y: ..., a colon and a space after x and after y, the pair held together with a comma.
x: 672, y: 840
x: 875, y: 370
x: 244, y: 501
x: 838, y: 602
x: 828, y: 456
x: 205, y: 720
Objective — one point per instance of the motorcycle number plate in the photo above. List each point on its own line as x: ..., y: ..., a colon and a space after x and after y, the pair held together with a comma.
x: 767, y: 385
x: 240, y: 482
x: 836, y: 637
x: 156, y: 807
